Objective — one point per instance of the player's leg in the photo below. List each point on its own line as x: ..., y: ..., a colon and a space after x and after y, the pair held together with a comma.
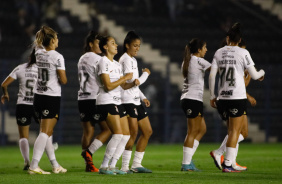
x: 24, y: 145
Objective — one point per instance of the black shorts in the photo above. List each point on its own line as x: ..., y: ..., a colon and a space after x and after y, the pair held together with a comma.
x: 231, y: 108
x: 135, y: 111
x: 24, y: 113
x: 88, y: 111
x: 192, y: 108
x: 47, y: 107
x: 111, y: 109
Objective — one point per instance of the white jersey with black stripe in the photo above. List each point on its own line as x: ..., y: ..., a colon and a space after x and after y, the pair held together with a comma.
x: 129, y: 65
x: 193, y: 87
x: 113, y: 69
x: 87, y: 71
x: 231, y: 62
x: 27, y: 78
x: 48, y: 62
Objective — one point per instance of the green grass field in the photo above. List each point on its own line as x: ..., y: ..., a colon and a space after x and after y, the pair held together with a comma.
x: 264, y: 163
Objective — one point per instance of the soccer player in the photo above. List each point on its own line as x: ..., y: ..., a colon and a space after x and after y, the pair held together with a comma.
x: 136, y: 114
x: 231, y: 62
x: 193, y: 71
x: 109, y: 102
x: 51, y: 75
x: 87, y: 94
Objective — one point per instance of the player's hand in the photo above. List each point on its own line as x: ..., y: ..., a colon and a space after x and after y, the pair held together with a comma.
x: 136, y: 82
x: 146, y: 70
x: 147, y: 102
x: 261, y: 79
x: 213, y: 103
x: 3, y: 98
x: 252, y: 100
x: 128, y: 76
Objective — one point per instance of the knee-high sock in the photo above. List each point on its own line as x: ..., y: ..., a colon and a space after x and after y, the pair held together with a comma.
x: 38, y: 149
x: 110, y: 149
x: 241, y: 138
x: 119, y: 150
x: 24, y: 147
x: 95, y: 145
x: 126, y: 156
x: 50, y: 151
x: 230, y: 156
x: 222, y: 149
x: 187, y: 155
x: 195, y: 146
x: 138, y: 157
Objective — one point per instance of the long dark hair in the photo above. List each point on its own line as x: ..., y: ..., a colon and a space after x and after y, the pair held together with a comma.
x: 92, y: 35
x: 191, y: 48
x: 234, y: 33
x: 103, y: 41
x: 130, y: 37
x: 42, y: 38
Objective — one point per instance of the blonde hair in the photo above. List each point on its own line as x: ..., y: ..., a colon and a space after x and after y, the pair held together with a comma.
x: 44, y: 36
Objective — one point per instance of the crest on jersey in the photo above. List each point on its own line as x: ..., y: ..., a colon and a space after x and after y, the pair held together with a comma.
x: 189, y: 112
x: 233, y: 111
x: 96, y: 116
x: 45, y: 112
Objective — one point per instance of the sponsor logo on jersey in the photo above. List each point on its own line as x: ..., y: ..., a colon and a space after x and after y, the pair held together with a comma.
x: 45, y: 112
x: 233, y: 111
x: 28, y: 99
x: 201, y: 64
x: 247, y: 59
x: 22, y: 120
x: 116, y: 98
x: 189, y: 111
x: 226, y: 93
x: 96, y: 116
x: 136, y: 98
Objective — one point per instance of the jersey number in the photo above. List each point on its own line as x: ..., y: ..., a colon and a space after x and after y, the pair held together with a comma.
x: 227, y: 76
x: 29, y: 85
x: 43, y: 75
x: 83, y: 79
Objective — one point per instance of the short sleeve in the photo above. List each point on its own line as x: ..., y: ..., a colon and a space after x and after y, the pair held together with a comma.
x: 14, y: 73
x: 248, y: 61
x: 127, y: 66
x: 214, y: 63
x: 204, y: 63
x: 60, y: 63
x: 103, y: 67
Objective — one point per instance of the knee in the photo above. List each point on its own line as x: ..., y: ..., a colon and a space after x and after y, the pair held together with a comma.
x: 148, y: 133
x: 133, y: 134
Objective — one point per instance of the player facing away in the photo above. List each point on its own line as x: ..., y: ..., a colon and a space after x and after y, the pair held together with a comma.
x: 231, y: 62
x: 87, y: 94
x: 136, y: 114
x: 193, y: 70
x: 27, y: 76
x: 217, y: 155
x: 109, y: 103
x: 51, y: 75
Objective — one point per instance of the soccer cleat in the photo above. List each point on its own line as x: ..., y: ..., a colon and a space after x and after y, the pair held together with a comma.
x: 189, y: 167
x: 228, y: 168
x: 106, y: 171
x: 218, y: 159
x: 117, y: 171
x: 89, y: 163
x: 26, y: 166
x: 128, y: 171
x: 239, y: 168
x: 59, y: 169
x: 141, y: 170
x: 37, y: 171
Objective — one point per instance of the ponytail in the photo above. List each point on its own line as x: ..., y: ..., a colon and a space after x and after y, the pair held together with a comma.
x: 185, y: 63
x: 44, y: 36
x: 32, y: 58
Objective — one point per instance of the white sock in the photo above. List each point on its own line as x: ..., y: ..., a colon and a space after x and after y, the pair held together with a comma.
x: 38, y: 149
x: 119, y: 150
x: 138, y: 157
x: 241, y: 138
x: 187, y: 155
x: 230, y: 156
x: 95, y: 145
x: 195, y: 146
x: 24, y: 147
x: 222, y: 149
x: 126, y: 156
x: 110, y: 149
x: 50, y: 151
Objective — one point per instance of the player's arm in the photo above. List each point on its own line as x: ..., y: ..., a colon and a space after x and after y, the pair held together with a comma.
x: 211, y: 86
x: 108, y: 85
x: 247, y: 78
x: 255, y: 74
x: 144, y: 99
x: 252, y: 100
x: 62, y: 76
x: 144, y: 76
x: 4, y: 87
x: 126, y: 85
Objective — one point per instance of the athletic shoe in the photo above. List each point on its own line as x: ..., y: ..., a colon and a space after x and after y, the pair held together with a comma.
x: 117, y: 171
x: 239, y: 168
x: 37, y: 171
x: 26, y: 166
x: 189, y: 167
x: 141, y: 170
x: 106, y: 171
x: 89, y: 163
x: 228, y: 168
x: 128, y: 171
x: 59, y: 169
x: 218, y: 159
x: 193, y: 165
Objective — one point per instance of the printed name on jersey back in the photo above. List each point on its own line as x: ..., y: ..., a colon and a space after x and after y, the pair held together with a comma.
x: 43, y: 65
x: 226, y: 93
x: 28, y: 99
x: 42, y: 57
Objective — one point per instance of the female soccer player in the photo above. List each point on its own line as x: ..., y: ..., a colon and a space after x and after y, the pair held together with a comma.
x: 136, y: 114
x: 109, y: 102
x: 231, y: 61
x: 87, y: 94
x: 193, y: 70
x: 27, y: 76
x: 51, y: 75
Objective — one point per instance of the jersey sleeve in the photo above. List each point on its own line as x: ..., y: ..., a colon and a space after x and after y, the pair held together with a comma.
x: 204, y: 63
x: 214, y: 63
x: 127, y: 66
x: 60, y: 63
x: 103, y: 67
x: 14, y: 73
x: 248, y: 61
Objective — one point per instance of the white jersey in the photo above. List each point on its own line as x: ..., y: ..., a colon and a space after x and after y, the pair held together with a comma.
x: 87, y: 71
x: 129, y: 65
x: 193, y: 87
x: 231, y: 62
x: 113, y: 69
x: 27, y: 78
x: 48, y: 63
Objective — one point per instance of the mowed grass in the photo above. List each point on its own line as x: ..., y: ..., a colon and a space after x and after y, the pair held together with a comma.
x: 264, y: 163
